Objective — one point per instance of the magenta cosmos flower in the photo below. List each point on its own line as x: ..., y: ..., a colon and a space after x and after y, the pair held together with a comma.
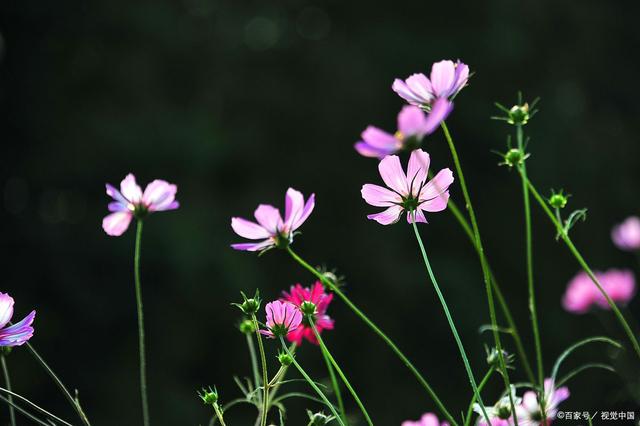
x: 271, y: 229
x: 413, y: 125
x: 409, y: 192
x: 18, y: 333
x: 582, y: 294
x: 131, y: 202
x: 318, y: 297
x: 427, y: 419
x: 434, y: 94
x: 626, y: 236
x: 529, y: 411
x: 282, y: 318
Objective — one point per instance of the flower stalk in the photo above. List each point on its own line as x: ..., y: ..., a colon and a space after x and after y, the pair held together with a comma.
x: 7, y: 382
x: 312, y: 383
x: 141, y: 345
x: 483, y: 261
x: 583, y: 264
x: 425, y: 384
x: 332, y: 376
x: 344, y: 379
x: 265, y: 373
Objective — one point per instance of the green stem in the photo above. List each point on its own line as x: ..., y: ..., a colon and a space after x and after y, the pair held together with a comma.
x: 327, y: 354
x: 218, y: 411
x: 334, y: 382
x: 42, y: 410
x: 529, y: 253
x: 513, y: 328
x: 331, y: 285
x: 454, y: 331
x: 481, y: 386
x: 312, y: 383
x: 7, y: 381
x: 141, y: 349
x: 24, y: 412
x: 73, y: 401
x: 254, y: 361
x: 278, y: 383
x: 585, y: 267
x: 265, y: 374
x: 486, y: 273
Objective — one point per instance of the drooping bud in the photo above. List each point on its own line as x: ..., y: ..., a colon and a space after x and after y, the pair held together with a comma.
x: 285, y: 359
x: 247, y: 327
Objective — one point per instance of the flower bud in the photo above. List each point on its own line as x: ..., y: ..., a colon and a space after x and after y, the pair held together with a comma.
x: 519, y: 114
x: 308, y: 308
x: 285, y: 359
x: 558, y: 200
x: 250, y: 306
x: 514, y: 157
x: 493, y: 358
x: 247, y: 327
x: 209, y: 396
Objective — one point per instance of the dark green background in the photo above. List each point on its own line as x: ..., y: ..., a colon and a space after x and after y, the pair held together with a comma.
x: 235, y: 101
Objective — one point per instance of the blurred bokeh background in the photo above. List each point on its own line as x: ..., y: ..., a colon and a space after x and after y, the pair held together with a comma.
x: 235, y: 102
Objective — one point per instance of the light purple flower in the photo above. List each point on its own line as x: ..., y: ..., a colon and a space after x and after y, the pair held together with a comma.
x: 434, y: 94
x: 409, y: 192
x: 131, y: 202
x: 499, y: 414
x: 582, y: 294
x: 530, y: 413
x: 427, y: 419
x: 626, y: 236
x: 282, y: 318
x: 18, y: 333
x: 413, y: 125
x: 271, y: 229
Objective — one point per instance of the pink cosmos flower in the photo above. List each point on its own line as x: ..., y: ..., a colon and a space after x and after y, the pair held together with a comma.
x: 282, y: 318
x: 131, y: 202
x: 18, y: 333
x: 271, y: 229
x: 626, y: 236
x: 318, y: 297
x: 411, y: 192
x: 428, y: 419
x: 413, y: 125
x: 530, y: 413
x: 436, y: 93
x: 581, y: 294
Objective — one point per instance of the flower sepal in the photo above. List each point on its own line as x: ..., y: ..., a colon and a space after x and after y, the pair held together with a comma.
x: 250, y: 306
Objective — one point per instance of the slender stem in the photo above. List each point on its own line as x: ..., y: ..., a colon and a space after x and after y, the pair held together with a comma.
x: 486, y: 273
x: 585, y: 267
x: 73, y: 401
x: 218, y: 411
x: 24, y: 412
x: 331, y: 285
x: 141, y: 349
x: 452, y: 325
x: 265, y: 374
x: 312, y: 383
x: 481, y: 385
x: 529, y: 253
x: 327, y: 354
x: 42, y: 410
x: 278, y: 383
x: 7, y: 381
x: 522, y: 354
x: 334, y: 382
x: 254, y: 361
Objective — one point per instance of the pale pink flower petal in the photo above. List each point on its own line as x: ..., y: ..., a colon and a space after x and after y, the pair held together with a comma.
x: 401, y: 88
x: 437, y: 204
x: 18, y: 333
x: 6, y: 308
x: 387, y: 217
x: 116, y: 195
x: 378, y: 138
x: 421, y: 86
x: 411, y: 122
x: 440, y: 110
x: 619, y: 284
x: 306, y: 211
x: 437, y: 186
x: 427, y: 419
x: 379, y: 196
x: 293, y: 205
x: 252, y: 246
x: 160, y: 195
x: 420, y: 218
x: 367, y: 150
x: 130, y: 189
x: 417, y: 170
x: 116, y: 223
x: 393, y: 175
x: 269, y: 218
x: 580, y: 295
x: 248, y: 229
x: 443, y: 76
